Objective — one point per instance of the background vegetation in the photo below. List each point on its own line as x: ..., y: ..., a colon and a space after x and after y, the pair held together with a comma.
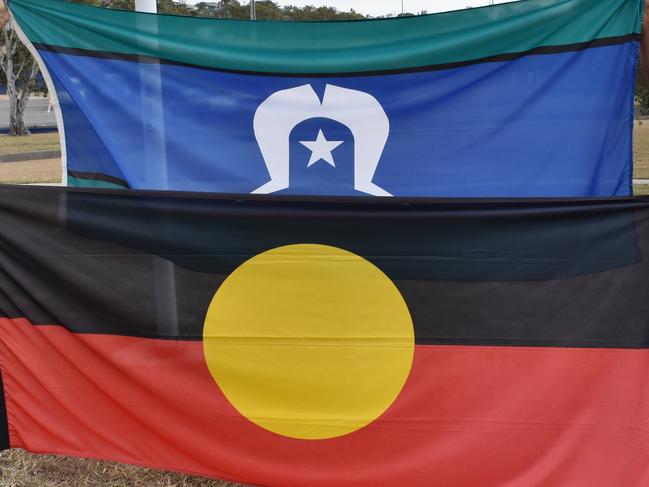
x: 233, y: 9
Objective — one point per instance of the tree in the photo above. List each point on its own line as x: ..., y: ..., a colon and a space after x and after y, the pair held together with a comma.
x: 175, y: 8
x: 116, y: 4
x: 268, y: 10
x: 309, y: 12
x: 18, y: 71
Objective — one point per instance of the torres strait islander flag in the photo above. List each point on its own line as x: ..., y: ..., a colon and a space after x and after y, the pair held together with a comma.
x: 349, y: 343
x: 530, y: 98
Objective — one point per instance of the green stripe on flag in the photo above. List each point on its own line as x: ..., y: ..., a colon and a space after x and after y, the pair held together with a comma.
x: 76, y: 182
x: 330, y: 47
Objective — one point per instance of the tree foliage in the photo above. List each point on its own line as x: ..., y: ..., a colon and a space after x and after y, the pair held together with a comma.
x: 234, y: 9
x: 116, y: 4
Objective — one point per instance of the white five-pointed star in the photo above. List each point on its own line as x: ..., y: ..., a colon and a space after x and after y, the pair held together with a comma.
x: 321, y: 149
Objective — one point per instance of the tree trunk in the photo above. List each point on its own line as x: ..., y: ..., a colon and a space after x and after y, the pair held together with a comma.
x: 18, y: 95
x: 16, y: 121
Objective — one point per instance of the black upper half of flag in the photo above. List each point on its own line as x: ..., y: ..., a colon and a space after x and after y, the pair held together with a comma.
x: 564, y: 273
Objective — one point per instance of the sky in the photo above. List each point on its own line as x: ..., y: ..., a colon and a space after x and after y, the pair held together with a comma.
x: 383, y: 7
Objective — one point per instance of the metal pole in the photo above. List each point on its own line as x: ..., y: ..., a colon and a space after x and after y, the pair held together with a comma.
x: 155, y: 155
x: 253, y: 10
x: 401, y: 7
x: 148, y: 6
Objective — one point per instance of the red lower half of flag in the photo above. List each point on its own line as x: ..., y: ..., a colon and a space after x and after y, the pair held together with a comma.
x: 467, y: 416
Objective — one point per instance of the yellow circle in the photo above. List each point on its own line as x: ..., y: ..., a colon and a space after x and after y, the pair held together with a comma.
x: 309, y: 341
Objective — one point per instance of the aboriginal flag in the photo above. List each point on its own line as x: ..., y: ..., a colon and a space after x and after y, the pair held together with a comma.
x: 521, y: 99
x: 357, y: 342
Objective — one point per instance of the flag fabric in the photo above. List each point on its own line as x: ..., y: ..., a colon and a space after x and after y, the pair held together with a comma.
x: 358, y: 342
x: 531, y: 98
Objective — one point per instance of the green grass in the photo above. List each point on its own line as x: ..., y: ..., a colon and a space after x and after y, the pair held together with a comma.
x: 641, y: 150
x: 32, y: 143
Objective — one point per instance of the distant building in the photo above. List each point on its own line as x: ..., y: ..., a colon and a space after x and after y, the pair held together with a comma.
x: 211, y: 6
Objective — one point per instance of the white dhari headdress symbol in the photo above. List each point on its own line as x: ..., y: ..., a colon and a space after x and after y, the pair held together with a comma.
x: 359, y: 111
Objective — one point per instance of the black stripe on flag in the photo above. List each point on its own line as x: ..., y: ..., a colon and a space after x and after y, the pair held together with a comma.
x: 542, y: 50
x: 564, y: 273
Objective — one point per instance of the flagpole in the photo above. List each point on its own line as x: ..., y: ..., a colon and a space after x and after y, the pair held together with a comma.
x: 157, y: 173
x: 147, y: 6
x: 153, y: 128
x: 253, y: 10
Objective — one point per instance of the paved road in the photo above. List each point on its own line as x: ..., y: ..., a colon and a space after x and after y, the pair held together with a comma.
x: 35, y: 113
